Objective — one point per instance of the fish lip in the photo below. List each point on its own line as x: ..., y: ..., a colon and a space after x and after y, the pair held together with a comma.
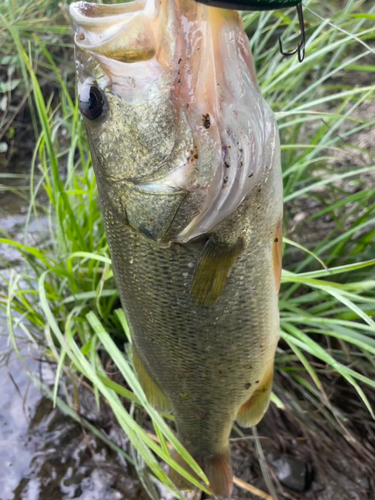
x: 98, y: 26
x: 80, y: 12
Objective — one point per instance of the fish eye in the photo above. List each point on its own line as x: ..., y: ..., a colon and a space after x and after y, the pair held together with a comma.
x: 91, y: 102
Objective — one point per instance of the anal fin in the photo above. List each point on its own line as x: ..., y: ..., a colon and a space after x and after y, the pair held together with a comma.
x: 154, y: 395
x: 212, y: 271
x: 253, y: 410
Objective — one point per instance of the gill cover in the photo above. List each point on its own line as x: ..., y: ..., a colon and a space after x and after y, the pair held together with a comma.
x: 204, y: 57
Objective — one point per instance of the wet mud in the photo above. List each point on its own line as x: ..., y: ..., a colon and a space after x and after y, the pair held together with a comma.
x: 304, y: 465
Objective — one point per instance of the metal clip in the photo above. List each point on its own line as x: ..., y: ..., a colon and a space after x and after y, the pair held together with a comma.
x: 301, y: 46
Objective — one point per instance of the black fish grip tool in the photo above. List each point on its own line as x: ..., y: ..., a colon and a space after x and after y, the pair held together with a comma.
x: 263, y: 5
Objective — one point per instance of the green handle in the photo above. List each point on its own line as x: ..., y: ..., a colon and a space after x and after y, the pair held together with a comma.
x: 251, y: 4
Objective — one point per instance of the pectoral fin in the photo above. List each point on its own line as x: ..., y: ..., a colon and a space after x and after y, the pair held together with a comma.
x: 253, y: 410
x: 155, y: 396
x: 212, y: 271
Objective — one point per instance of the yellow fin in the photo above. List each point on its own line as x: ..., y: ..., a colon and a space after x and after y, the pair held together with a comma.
x: 253, y: 410
x: 212, y: 271
x: 219, y: 473
x: 217, y: 469
x: 155, y: 396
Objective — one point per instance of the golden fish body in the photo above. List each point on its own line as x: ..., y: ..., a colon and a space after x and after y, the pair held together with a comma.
x: 186, y: 156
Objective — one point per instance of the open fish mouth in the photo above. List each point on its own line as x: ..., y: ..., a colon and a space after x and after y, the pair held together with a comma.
x: 116, y: 31
x: 199, y: 58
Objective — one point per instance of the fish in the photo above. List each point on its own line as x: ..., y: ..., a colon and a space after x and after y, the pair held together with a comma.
x: 186, y: 156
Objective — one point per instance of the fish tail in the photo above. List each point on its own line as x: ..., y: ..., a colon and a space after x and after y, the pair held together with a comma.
x: 219, y: 473
x: 217, y: 469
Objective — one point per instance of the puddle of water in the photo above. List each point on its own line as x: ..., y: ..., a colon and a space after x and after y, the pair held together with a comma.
x: 15, y: 414
x: 19, y: 396
x: 44, y: 455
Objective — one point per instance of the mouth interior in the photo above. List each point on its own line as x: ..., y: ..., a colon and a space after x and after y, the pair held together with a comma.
x: 119, y: 32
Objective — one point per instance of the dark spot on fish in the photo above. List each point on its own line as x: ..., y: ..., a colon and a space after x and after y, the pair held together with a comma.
x: 206, y: 121
x: 241, y: 163
x: 196, y: 156
x: 259, y: 190
x: 226, y: 164
x: 230, y: 147
x: 276, y: 240
x: 179, y: 60
x: 225, y: 179
x: 187, y: 106
x: 251, y: 174
x: 257, y: 381
x: 145, y: 231
x: 248, y: 385
x: 200, y: 415
x: 220, y: 372
x: 240, y: 150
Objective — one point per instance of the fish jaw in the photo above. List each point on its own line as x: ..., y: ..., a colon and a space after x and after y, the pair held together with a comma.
x: 192, y: 65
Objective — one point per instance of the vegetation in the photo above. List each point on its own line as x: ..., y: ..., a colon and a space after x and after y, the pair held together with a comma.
x: 64, y: 298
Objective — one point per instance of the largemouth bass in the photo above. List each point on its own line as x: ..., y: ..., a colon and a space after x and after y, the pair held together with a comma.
x: 187, y: 162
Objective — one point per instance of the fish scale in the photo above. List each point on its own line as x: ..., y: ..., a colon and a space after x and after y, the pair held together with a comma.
x: 155, y: 289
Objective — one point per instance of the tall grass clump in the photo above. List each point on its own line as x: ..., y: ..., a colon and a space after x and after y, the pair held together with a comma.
x: 64, y: 298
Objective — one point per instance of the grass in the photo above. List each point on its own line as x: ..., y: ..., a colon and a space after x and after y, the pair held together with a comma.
x: 64, y: 298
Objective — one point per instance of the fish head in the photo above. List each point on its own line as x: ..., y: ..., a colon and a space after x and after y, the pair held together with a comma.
x: 179, y: 132
x: 124, y: 91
